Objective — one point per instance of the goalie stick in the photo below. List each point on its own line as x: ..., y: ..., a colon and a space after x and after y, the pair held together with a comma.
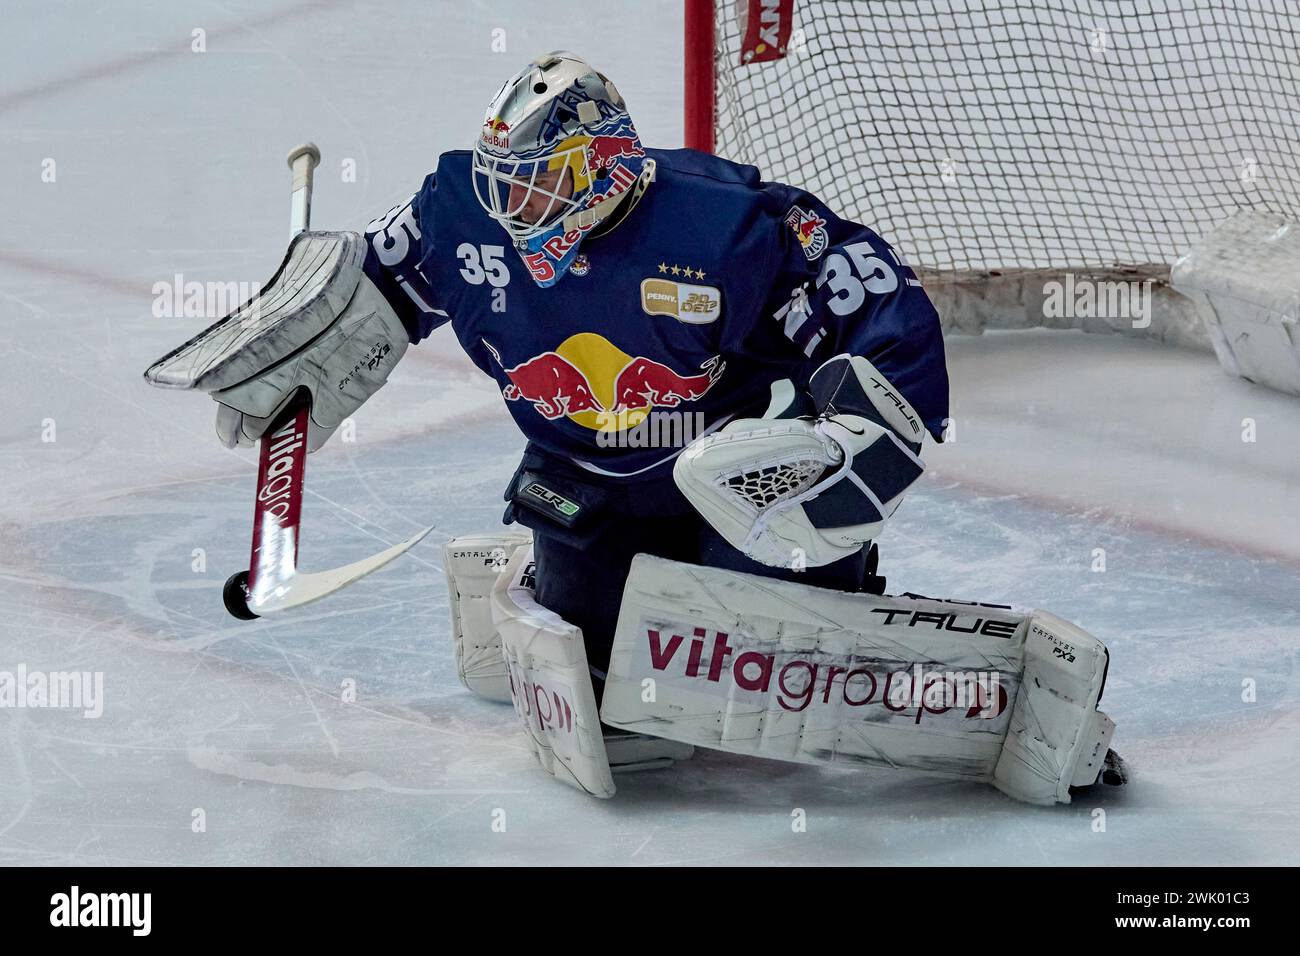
x: 273, y: 581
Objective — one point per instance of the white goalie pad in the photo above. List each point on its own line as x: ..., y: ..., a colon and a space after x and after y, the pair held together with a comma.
x: 549, y: 682
x: 473, y: 564
x: 769, y: 668
x: 1058, y: 738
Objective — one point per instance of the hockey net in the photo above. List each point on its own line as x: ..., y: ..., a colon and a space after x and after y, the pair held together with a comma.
x: 1015, y: 135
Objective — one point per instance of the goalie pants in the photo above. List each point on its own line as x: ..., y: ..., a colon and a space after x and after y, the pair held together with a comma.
x: 583, y: 557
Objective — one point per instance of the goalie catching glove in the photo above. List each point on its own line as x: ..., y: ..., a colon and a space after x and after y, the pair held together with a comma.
x: 318, y: 326
x: 784, y: 488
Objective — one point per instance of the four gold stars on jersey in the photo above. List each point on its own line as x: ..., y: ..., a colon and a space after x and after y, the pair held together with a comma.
x: 681, y: 270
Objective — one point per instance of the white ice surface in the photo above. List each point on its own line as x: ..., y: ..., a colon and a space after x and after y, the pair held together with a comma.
x: 172, y: 161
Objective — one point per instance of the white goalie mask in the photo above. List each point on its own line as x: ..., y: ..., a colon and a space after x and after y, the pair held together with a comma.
x: 556, y: 154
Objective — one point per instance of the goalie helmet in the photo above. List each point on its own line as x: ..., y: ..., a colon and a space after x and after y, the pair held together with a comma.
x: 557, y: 154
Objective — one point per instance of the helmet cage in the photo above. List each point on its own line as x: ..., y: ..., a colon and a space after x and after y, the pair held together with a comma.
x: 496, y: 178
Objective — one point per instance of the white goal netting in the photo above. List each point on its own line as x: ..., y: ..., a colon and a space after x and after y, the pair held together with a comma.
x: 1007, y: 135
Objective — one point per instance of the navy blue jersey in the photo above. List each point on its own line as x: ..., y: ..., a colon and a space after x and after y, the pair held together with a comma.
x: 670, y: 324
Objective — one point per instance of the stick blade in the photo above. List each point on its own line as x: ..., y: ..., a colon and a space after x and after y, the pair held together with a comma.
x: 303, y: 588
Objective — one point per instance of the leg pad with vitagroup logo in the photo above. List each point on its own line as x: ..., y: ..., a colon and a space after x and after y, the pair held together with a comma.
x: 549, y: 682
x: 769, y: 668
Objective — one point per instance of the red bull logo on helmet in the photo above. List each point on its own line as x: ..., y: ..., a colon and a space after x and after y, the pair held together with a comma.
x: 555, y: 248
x: 604, y: 152
x: 606, y: 159
x: 594, y: 383
x: 496, y: 134
x: 558, y: 246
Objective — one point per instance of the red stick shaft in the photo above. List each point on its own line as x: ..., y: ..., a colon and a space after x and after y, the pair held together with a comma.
x: 278, y: 505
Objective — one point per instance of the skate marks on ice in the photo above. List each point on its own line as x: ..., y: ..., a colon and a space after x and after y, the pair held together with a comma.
x: 1202, y: 646
x: 248, y: 722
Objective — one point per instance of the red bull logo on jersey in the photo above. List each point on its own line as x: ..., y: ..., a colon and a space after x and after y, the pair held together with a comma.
x: 644, y: 382
x: 810, y: 229
x: 553, y: 384
x: 592, y: 382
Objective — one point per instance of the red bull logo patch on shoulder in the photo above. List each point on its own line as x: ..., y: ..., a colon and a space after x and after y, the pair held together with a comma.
x: 810, y: 229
